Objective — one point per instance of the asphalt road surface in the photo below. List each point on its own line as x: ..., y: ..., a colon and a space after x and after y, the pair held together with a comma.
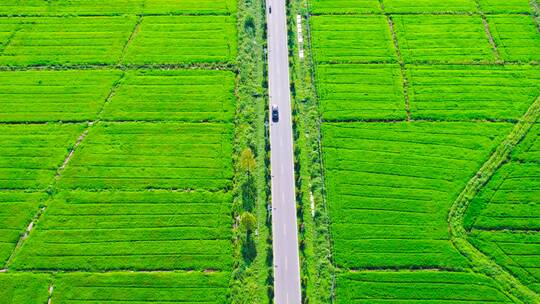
x: 284, y: 224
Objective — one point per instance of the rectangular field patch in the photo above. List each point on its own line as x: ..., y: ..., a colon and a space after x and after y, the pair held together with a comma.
x: 183, y: 39
x: 138, y: 156
x: 351, y: 39
x: 149, y: 230
x: 390, y: 187
x: 443, y: 38
x: 516, y: 36
x: 360, y: 92
x: 30, y: 155
x: 66, y: 40
x: 322, y: 7
x: 461, y: 92
x: 430, y: 6
x: 181, y: 95
x: 507, y: 6
x: 24, y: 288
x: 43, y: 96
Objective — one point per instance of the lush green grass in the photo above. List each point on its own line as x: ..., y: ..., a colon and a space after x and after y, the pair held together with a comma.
x: 30, y: 155
x: 184, y: 39
x: 24, y: 288
x: 184, y: 95
x: 471, y: 91
x: 430, y: 6
x: 390, y: 186
x: 16, y: 211
x: 319, y: 7
x: 100, y: 7
x: 443, y: 38
x: 67, y: 40
x: 351, y: 39
x: 138, y: 288
x: 139, y: 156
x: 355, y: 92
x: 516, y: 36
x: 507, y: 6
x: 148, y: 230
x: 417, y: 287
x: 39, y: 96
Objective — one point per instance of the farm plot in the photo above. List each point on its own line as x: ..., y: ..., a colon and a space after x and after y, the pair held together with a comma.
x: 40, y: 96
x: 450, y: 92
x: 430, y: 6
x: 183, y: 39
x: 178, y: 287
x: 101, y: 7
x: 319, y: 7
x: 516, y: 36
x: 350, y: 39
x: 31, y: 154
x: 418, y: 287
x: 356, y: 92
x: 508, y: 6
x: 443, y: 38
x: 16, y: 211
x: 139, y: 156
x: 149, y: 230
x: 505, y: 216
x: 24, y: 288
x: 390, y: 186
x: 184, y: 95
x: 65, y: 41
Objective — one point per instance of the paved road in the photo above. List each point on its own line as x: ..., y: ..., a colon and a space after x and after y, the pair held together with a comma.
x: 284, y: 224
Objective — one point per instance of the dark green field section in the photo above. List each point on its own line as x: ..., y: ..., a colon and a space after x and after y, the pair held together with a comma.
x: 150, y: 230
x: 16, y: 212
x: 464, y: 92
x: 101, y: 40
x: 40, y: 96
x: 138, y: 156
x: 347, y: 39
x: 24, y: 288
x: 31, y: 154
x: 179, y: 95
x: 101, y: 7
x: 417, y: 287
x: 360, y: 91
x: 505, y: 216
x: 135, y: 288
x: 390, y: 186
x: 516, y: 37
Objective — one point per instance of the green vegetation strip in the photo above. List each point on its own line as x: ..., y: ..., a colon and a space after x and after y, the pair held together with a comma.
x: 481, y: 262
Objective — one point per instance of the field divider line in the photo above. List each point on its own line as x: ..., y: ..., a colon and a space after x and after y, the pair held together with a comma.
x: 458, y: 235
x: 50, y: 291
x: 402, y: 66
x: 132, y: 36
x: 23, y: 237
x: 487, y: 29
x: 219, y: 66
x: 536, y: 13
x: 9, y: 39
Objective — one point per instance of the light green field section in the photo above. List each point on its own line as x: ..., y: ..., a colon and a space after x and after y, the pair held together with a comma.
x: 180, y: 95
x: 136, y: 288
x: 443, y: 38
x: 319, y: 7
x: 390, y: 186
x: 65, y: 41
x: 24, y: 288
x: 41, y: 96
x: 16, y: 211
x: 347, y: 39
x: 139, y: 156
x: 148, y: 230
x: 463, y: 92
x: 507, y: 6
x: 103, y: 7
x: 430, y: 6
x: 30, y: 155
x: 183, y: 39
x: 417, y: 287
x: 516, y: 36
x: 355, y: 92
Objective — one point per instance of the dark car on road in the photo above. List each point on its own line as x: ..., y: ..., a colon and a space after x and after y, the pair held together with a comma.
x: 275, y: 113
